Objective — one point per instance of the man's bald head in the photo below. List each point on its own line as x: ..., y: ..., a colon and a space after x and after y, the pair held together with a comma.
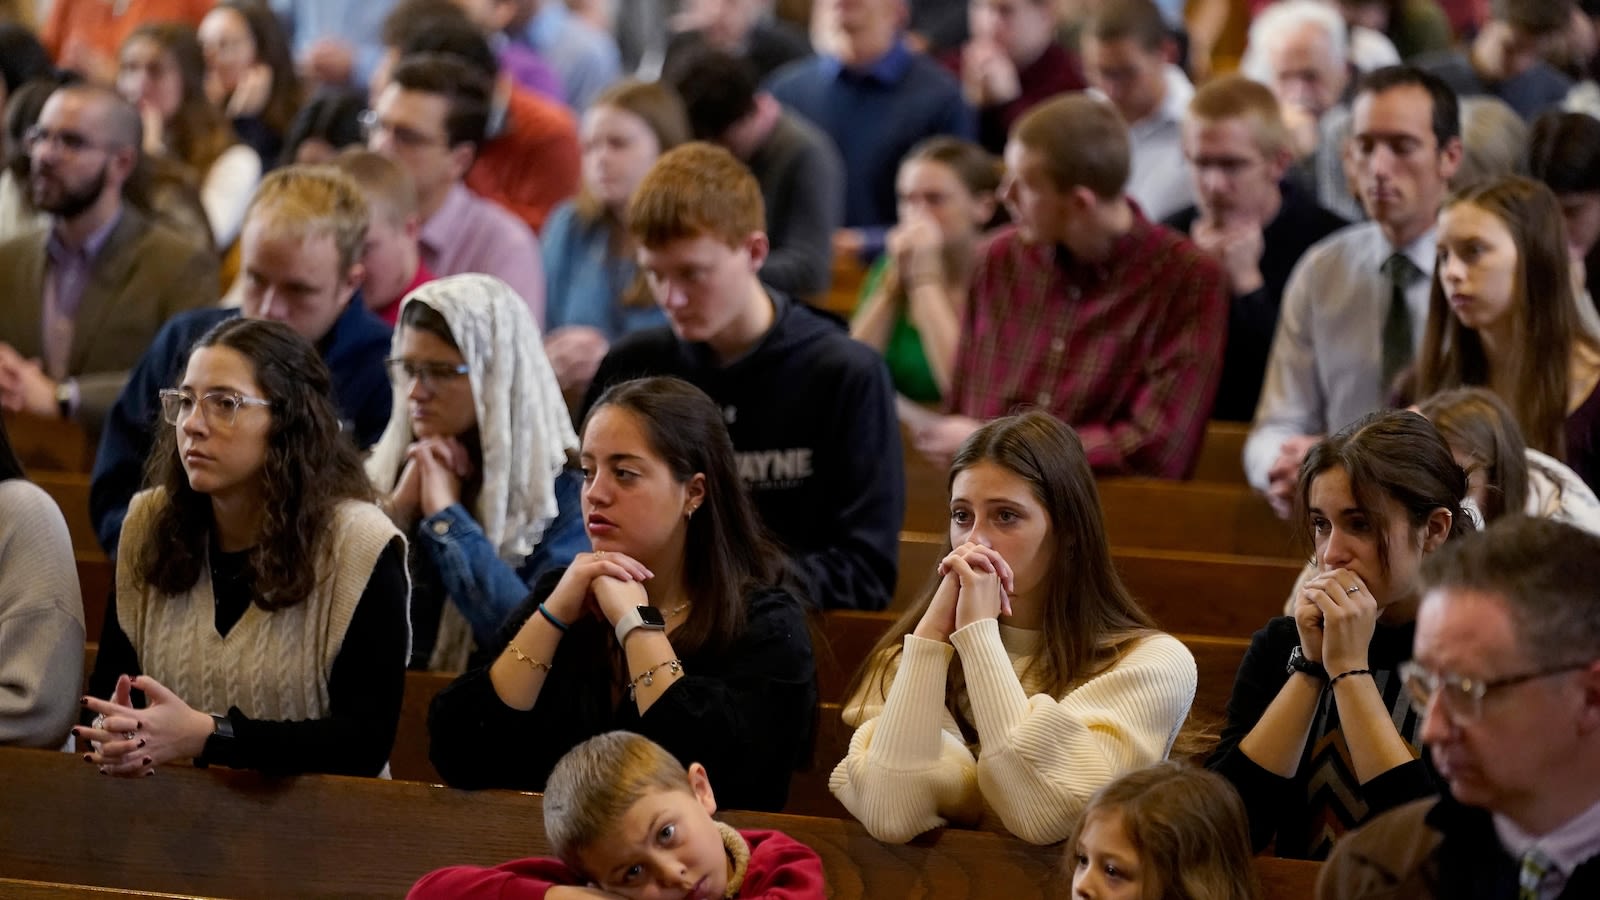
x: 118, y: 120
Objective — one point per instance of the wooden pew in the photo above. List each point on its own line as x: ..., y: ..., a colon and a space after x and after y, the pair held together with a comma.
x: 1201, y: 593
x: 245, y: 836
x: 49, y: 444
x: 1140, y: 512
x: 70, y: 490
x: 20, y: 889
x: 1222, y: 453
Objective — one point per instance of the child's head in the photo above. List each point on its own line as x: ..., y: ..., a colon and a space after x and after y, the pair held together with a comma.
x: 1168, y: 831
x: 625, y: 814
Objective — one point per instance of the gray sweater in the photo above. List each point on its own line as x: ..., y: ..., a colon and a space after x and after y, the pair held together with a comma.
x: 41, y: 619
x: 802, y: 185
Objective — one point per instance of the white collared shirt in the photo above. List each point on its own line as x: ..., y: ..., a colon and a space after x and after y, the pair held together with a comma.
x: 1569, y: 846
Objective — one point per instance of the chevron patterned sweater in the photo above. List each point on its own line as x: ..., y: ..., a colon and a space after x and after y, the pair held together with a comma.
x: 1302, y: 816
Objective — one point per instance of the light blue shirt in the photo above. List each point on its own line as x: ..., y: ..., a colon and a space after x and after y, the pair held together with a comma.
x: 358, y: 23
x: 585, y: 57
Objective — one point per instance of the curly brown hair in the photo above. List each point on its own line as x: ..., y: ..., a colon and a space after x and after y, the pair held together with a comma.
x: 311, y: 466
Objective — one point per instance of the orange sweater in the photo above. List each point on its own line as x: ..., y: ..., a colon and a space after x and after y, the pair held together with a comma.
x: 533, y: 164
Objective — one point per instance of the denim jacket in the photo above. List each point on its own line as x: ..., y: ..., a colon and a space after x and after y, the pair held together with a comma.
x: 481, y: 585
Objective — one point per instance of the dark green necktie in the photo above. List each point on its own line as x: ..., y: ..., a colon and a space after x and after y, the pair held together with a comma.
x: 1397, y: 341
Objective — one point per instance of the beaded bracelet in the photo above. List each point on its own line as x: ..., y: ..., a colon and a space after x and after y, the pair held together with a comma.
x: 550, y: 617
x: 533, y: 664
x: 648, y: 676
x: 1335, y: 679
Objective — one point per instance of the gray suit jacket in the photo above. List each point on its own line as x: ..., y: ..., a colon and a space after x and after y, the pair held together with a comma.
x: 144, y: 274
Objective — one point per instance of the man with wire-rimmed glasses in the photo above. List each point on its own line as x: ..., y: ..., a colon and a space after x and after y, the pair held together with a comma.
x: 1507, y: 671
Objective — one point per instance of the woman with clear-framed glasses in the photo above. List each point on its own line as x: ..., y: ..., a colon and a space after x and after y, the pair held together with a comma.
x: 1321, y: 733
x: 259, y: 618
x: 474, y: 463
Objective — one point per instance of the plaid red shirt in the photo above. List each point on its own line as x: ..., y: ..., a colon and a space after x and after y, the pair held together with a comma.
x: 1127, y: 352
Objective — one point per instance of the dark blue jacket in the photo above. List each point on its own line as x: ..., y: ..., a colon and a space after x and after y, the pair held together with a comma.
x: 354, y: 350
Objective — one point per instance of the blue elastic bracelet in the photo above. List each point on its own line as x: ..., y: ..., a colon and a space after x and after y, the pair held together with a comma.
x: 560, y: 625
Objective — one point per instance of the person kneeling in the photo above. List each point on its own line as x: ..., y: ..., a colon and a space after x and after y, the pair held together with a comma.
x: 601, y: 797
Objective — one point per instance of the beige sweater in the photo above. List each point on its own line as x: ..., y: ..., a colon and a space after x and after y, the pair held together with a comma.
x: 271, y: 665
x: 1039, y: 757
x: 41, y: 619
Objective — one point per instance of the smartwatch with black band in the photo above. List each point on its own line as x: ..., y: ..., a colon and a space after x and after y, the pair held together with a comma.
x: 1299, y: 663
x: 640, y: 617
x: 221, y: 731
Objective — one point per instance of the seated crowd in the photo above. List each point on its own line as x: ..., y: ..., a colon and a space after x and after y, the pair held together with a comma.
x: 594, y: 359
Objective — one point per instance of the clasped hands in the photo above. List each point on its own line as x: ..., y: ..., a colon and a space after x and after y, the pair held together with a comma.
x: 129, y: 742
x: 976, y: 583
x: 431, y: 479
x: 1336, y: 615
x: 24, y: 387
x: 605, y: 584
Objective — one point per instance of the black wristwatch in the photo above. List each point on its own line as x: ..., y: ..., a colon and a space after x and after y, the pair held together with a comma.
x: 221, y: 730
x: 1299, y: 663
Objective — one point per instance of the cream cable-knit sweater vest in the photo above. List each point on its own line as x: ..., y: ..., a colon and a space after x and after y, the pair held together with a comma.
x: 272, y: 665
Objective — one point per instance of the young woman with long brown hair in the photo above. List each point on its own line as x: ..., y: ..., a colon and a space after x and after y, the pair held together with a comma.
x: 1502, y: 315
x: 1029, y: 677
x: 261, y: 595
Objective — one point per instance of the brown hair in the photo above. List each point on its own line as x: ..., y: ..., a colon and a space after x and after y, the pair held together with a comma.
x: 313, y: 201
x: 1396, y: 454
x: 728, y: 553
x: 1238, y: 97
x: 693, y: 190
x: 1539, y: 18
x: 198, y: 132
x: 661, y: 110
x: 1544, y: 570
x: 1189, y: 828
x: 1083, y: 140
x: 311, y: 466
x: 389, y: 190
x: 1089, y: 616
x: 1545, y: 327
x: 1476, y: 423
x: 272, y: 50
x: 595, y: 784
x: 975, y: 167
x: 1138, y: 20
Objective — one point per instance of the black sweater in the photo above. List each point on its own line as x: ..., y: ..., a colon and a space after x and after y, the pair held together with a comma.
x: 1306, y: 813
x: 811, y: 414
x: 1253, y: 317
x: 746, y: 712
x: 365, y: 687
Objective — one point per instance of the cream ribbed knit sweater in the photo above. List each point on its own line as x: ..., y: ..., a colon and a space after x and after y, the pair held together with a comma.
x: 1038, y: 759
x: 41, y: 619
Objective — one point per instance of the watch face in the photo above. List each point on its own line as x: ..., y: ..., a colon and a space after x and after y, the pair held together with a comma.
x: 652, y: 617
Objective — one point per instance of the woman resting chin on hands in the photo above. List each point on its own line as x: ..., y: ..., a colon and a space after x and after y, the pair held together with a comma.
x: 1320, y: 729
x: 682, y: 625
x: 1029, y: 678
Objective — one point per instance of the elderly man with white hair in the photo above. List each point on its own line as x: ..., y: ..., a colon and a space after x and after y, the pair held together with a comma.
x: 1305, y: 52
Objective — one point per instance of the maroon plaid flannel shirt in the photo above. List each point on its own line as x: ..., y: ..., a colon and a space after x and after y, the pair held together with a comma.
x: 1127, y: 352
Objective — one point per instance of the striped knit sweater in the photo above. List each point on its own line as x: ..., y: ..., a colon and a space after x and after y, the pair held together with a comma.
x: 1038, y: 758
x: 271, y: 665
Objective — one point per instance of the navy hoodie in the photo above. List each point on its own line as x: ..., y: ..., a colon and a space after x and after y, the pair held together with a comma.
x: 811, y: 414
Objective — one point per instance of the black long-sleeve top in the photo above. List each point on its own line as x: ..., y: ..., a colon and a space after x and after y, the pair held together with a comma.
x: 365, y: 687
x: 745, y: 712
x: 1306, y: 813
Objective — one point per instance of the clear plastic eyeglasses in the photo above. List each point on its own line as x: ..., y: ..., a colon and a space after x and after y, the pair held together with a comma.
x: 431, y: 374
x: 218, y: 407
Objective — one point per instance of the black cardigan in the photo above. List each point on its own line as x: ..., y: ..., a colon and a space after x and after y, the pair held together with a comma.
x: 747, y: 712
